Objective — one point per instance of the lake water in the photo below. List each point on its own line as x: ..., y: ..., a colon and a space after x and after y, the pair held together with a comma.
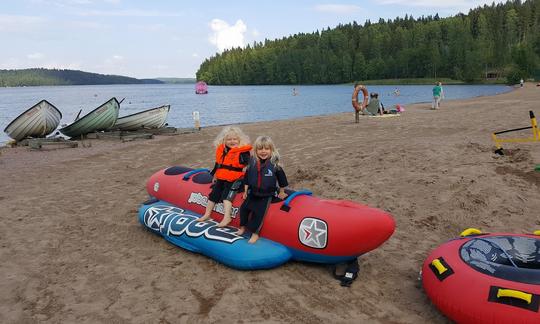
x: 222, y: 104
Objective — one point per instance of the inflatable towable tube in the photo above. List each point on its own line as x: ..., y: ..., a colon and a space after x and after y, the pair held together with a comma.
x: 308, y: 228
x: 486, y: 278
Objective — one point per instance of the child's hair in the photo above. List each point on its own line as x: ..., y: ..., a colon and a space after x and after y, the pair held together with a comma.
x: 231, y: 130
x: 266, y: 142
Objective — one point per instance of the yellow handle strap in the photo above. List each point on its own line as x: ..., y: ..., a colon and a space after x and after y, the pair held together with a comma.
x: 514, y: 294
x: 470, y: 231
x: 439, y: 266
x: 537, y: 232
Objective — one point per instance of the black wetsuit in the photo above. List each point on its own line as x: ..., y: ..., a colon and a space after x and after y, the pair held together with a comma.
x: 262, y: 181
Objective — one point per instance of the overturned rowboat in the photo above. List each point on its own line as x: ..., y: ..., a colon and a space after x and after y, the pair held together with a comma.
x: 149, y: 119
x: 38, y: 121
x: 101, y: 118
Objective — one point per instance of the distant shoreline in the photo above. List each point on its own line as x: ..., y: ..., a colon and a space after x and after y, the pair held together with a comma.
x: 55, y: 77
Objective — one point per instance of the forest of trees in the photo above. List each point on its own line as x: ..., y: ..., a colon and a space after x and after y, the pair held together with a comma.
x: 40, y: 77
x: 495, y: 41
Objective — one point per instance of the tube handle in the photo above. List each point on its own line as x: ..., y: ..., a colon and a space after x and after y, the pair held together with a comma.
x: 511, y: 293
x: 286, y: 203
x: 439, y: 266
x: 188, y: 175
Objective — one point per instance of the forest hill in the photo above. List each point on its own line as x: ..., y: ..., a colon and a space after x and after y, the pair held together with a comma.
x: 498, y: 41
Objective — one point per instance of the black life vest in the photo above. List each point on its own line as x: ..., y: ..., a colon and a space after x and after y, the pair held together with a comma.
x: 262, y: 180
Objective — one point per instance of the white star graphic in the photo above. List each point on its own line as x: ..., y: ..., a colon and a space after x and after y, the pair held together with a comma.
x: 311, y: 235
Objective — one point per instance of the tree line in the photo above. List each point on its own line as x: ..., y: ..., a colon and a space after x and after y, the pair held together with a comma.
x: 41, y: 77
x: 495, y: 41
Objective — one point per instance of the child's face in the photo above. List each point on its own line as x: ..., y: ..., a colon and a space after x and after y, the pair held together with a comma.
x: 263, y: 153
x: 232, y: 141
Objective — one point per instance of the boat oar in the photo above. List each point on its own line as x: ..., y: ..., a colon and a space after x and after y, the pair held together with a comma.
x: 121, y: 100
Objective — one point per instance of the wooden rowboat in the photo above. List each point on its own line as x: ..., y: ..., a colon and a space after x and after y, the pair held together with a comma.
x: 38, y: 121
x: 101, y: 118
x: 151, y: 118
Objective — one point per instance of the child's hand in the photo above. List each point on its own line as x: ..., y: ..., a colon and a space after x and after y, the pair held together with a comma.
x: 282, y: 195
x: 244, y: 195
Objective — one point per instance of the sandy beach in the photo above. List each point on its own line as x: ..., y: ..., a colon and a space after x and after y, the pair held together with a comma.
x: 72, y: 249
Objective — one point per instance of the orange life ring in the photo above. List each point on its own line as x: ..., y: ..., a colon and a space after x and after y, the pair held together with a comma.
x: 355, y: 104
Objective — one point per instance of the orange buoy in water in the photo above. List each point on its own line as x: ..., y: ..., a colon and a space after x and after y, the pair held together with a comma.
x: 355, y: 103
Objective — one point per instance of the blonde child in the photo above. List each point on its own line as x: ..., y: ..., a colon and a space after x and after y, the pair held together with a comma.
x: 263, y: 176
x: 232, y: 156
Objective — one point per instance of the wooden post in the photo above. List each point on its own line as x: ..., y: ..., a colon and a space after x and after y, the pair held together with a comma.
x: 197, y: 120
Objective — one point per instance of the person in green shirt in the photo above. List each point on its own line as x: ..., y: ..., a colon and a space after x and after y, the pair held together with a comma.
x: 437, y: 93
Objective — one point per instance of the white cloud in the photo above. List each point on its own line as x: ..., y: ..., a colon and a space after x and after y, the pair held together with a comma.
x: 225, y: 36
x: 66, y: 66
x: 128, y: 13
x: 35, y: 56
x: 150, y: 28
x: 457, y: 4
x: 17, y: 23
x: 11, y: 63
x: 338, y: 8
x: 66, y: 3
x: 15, y: 63
x: 160, y: 66
x: 195, y: 55
x: 118, y: 57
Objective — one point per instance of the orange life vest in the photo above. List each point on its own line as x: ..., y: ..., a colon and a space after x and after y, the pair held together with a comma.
x: 228, y: 165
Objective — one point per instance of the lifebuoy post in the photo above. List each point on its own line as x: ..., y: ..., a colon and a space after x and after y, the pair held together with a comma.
x: 359, y: 107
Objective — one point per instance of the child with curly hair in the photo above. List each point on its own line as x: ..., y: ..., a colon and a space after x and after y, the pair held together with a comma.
x: 232, y: 156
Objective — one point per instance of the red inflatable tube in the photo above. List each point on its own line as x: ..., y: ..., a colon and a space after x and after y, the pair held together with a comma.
x: 315, y: 229
x: 486, y: 278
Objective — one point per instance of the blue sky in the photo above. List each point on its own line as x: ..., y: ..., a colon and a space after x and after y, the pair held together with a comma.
x: 167, y: 38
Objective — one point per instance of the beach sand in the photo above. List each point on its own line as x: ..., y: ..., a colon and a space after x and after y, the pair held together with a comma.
x: 72, y: 249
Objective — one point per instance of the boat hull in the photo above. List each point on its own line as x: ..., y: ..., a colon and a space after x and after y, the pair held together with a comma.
x: 474, y: 289
x: 38, y: 121
x: 151, y: 118
x: 101, y: 118
x: 313, y: 229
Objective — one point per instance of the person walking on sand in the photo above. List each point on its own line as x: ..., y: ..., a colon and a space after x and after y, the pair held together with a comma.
x: 521, y: 83
x: 442, y: 93
x: 437, y: 92
x: 263, y: 176
x: 232, y: 156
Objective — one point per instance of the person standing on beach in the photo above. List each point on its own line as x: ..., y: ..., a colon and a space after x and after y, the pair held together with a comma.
x: 442, y: 94
x: 232, y: 156
x: 263, y: 176
x: 521, y: 83
x: 437, y: 92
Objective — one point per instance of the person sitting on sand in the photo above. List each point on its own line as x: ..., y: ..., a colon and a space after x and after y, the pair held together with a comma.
x: 374, y: 106
x: 232, y: 156
x: 263, y: 176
